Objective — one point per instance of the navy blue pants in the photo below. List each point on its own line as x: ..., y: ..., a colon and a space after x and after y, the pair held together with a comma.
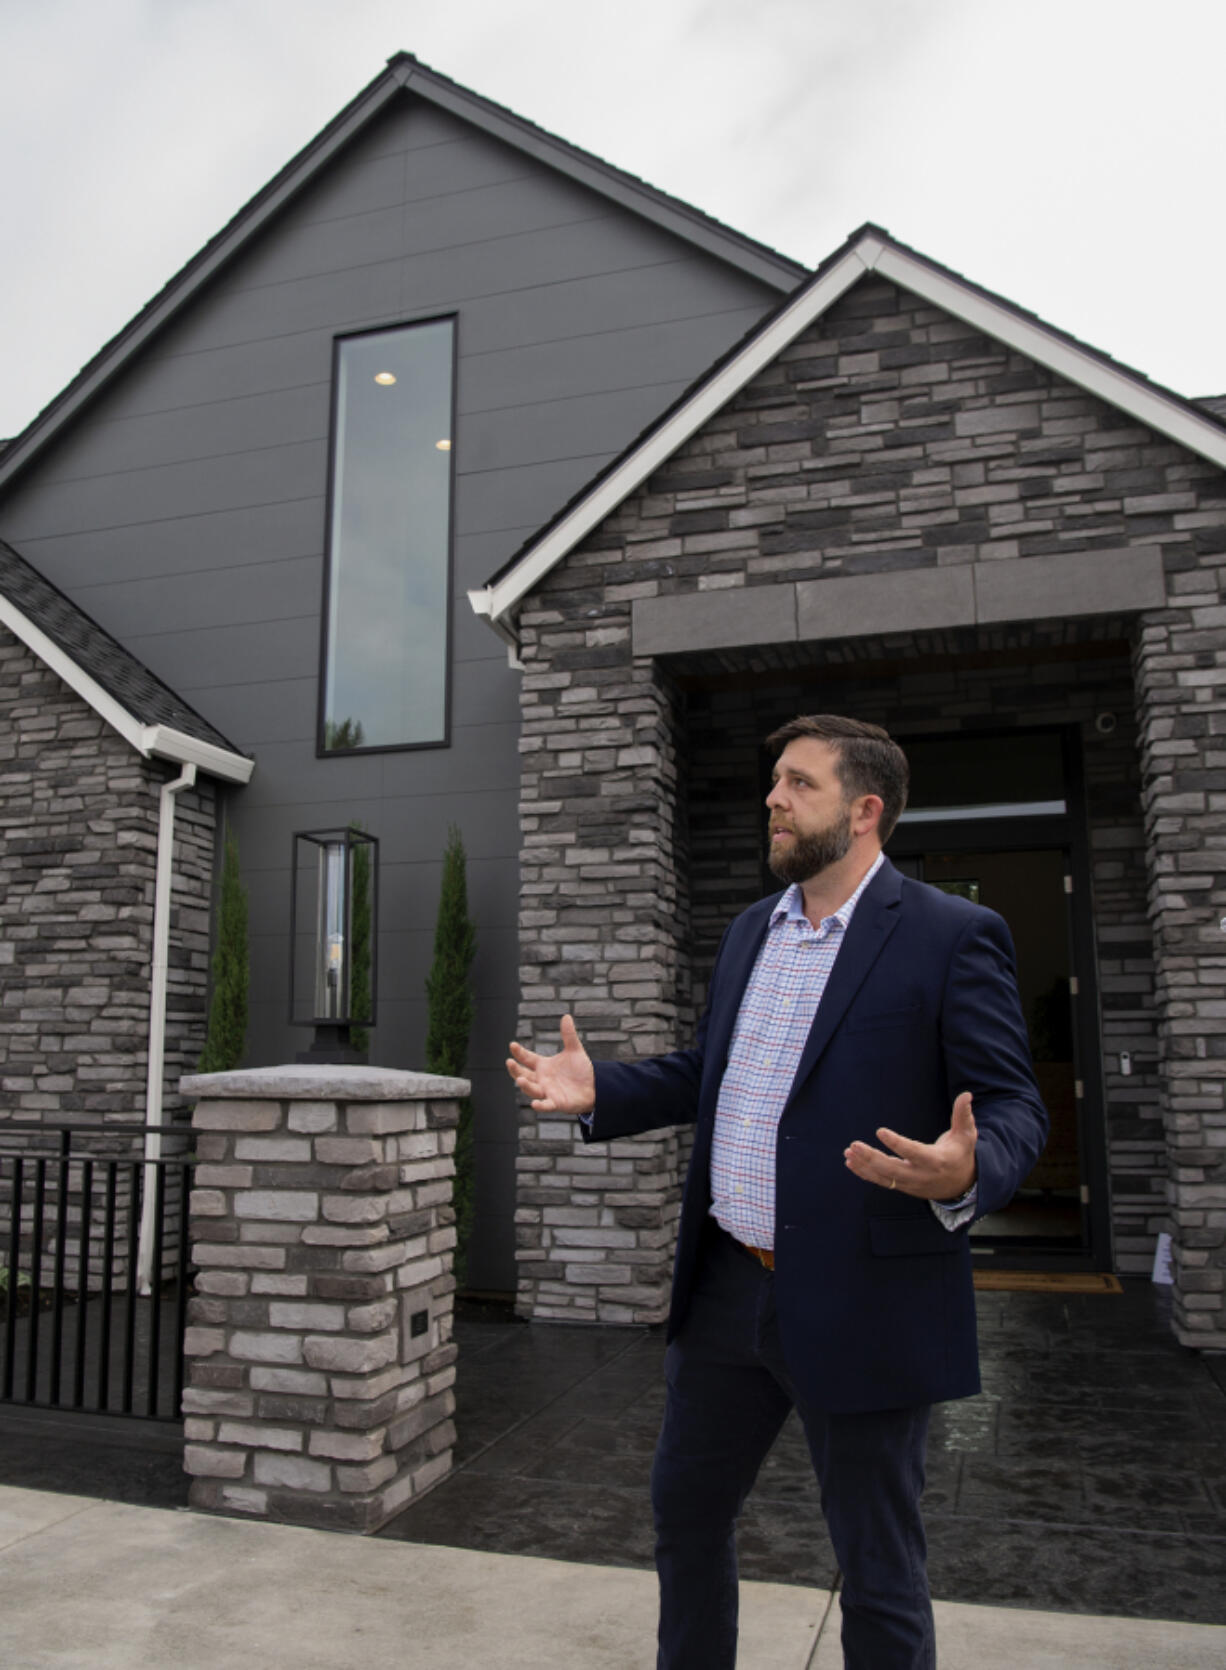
x: 728, y: 1395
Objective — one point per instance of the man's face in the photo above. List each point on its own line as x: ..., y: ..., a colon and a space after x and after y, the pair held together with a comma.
x: 810, y: 818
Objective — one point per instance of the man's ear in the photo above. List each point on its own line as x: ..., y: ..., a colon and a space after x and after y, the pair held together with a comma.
x: 866, y: 813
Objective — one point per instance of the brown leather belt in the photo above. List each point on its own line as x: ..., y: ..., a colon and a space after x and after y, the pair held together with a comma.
x: 764, y: 1255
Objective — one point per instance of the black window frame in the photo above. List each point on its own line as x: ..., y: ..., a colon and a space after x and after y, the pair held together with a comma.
x: 451, y: 317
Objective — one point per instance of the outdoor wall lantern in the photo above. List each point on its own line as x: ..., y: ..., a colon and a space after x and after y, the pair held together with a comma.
x: 333, y: 918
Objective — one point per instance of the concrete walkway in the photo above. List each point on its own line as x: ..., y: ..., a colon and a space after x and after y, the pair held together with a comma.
x: 96, y: 1585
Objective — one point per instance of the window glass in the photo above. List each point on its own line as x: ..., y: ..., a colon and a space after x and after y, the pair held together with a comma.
x: 385, y: 676
x: 998, y: 775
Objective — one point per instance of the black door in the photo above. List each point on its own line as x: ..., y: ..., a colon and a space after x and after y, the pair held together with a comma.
x: 997, y: 819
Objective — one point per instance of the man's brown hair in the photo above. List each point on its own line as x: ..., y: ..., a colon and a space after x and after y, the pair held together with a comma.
x: 869, y: 760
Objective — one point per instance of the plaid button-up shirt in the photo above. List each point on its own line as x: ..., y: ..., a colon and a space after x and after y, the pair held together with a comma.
x: 777, y: 1011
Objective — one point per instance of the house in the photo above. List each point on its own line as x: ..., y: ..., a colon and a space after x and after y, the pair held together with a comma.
x: 902, y: 497
x: 184, y: 491
x: 693, y: 490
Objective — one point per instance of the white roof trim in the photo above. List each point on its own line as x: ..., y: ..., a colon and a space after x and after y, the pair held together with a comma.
x: 170, y: 744
x: 1114, y: 384
x: 73, y: 675
x: 145, y: 739
x: 871, y: 252
x: 495, y: 601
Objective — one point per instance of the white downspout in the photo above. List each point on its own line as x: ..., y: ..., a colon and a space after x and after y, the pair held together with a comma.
x: 157, y: 1014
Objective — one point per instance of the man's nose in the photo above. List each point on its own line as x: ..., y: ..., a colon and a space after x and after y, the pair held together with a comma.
x: 776, y: 797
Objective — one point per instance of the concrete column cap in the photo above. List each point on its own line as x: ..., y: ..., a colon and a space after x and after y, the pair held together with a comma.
x: 308, y: 1082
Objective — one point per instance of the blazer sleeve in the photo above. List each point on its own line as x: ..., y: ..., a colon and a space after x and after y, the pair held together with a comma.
x: 637, y: 1096
x: 987, y: 1051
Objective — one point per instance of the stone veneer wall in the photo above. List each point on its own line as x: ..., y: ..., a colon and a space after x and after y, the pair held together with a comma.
x: 889, y: 436
x: 1181, y: 681
x: 601, y: 922
x: 319, y: 1351
x: 78, y: 849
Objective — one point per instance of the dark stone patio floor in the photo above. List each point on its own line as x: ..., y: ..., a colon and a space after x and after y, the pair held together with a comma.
x: 1088, y: 1476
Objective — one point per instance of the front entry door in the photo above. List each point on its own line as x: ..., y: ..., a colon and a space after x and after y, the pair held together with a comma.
x: 1026, y: 860
x: 1027, y: 888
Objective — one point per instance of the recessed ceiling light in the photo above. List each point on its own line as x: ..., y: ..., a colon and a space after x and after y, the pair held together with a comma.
x: 443, y: 446
x: 387, y: 378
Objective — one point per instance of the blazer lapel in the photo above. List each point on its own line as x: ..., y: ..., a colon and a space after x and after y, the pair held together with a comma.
x: 875, y: 918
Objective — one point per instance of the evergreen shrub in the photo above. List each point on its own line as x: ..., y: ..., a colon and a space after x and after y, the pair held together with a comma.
x: 449, y: 1008
x: 226, y: 1037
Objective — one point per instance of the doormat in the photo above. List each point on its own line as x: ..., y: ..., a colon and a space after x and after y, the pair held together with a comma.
x: 1046, y: 1281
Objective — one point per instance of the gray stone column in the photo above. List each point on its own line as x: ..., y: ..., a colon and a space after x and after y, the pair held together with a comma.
x: 319, y: 1351
x: 1181, y: 694
x: 602, y: 909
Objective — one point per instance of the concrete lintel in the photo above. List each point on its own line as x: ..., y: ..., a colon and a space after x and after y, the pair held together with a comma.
x: 907, y: 600
x: 1125, y: 580
x: 307, y: 1082
x: 1119, y: 581
x: 701, y: 620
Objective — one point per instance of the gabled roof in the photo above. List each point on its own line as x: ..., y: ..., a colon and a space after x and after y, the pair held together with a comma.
x: 403, y: 76
x: 121, y: 689
x: 870, y: 250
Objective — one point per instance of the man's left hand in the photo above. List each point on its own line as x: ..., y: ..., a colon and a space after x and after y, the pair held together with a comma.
x: 940, y: 1170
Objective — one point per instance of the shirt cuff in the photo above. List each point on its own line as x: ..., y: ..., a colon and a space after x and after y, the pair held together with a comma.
x: 952, y: 1214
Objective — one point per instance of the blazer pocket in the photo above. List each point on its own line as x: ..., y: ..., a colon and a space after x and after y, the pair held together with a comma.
x: 898, y: 1236
x: 878, y: 1020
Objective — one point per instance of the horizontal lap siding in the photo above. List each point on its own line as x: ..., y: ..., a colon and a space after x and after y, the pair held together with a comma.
x: 186, y: 512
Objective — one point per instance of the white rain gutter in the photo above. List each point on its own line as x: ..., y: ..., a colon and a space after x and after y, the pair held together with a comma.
x: 159, y: 976
x: 192, y: 754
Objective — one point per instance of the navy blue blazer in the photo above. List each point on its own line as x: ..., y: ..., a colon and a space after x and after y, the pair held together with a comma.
x: 874, y: 1296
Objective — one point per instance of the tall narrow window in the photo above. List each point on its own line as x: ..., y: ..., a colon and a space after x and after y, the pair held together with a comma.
x: 385, y: 665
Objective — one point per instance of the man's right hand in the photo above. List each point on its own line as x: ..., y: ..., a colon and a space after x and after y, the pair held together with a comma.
x: 562, y: 1083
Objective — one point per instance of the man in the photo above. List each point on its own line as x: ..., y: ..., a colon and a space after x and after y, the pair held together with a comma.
x: 862, y: 1089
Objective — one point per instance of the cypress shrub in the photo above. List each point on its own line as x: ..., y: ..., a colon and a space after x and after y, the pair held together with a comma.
x: 449, y: 1009
x: 226, y: 1037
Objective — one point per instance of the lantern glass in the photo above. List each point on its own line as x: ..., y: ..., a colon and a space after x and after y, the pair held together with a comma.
x: 331, y: 937
x: 333, y: 916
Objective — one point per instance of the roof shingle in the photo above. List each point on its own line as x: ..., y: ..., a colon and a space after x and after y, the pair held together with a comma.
x: 100, y: 655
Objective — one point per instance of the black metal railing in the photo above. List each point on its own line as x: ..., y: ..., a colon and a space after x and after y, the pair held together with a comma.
x: 88, y: 1323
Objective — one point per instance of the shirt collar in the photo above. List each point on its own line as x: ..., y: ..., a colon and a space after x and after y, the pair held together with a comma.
x: 792, y: 905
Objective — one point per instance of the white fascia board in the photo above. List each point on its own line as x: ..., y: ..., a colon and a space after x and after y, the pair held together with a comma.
x: 1120, y: 388
x: 498, y: 600
x: 15, y: 456
x: 145, y: 739
x: 479, y: 601
x: 73, y: 675
x: 169, y: 744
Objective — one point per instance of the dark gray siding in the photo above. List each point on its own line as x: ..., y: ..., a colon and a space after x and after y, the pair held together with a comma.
x: 186, y: 512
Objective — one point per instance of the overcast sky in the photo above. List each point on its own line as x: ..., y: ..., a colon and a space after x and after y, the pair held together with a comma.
x: 1066, y: 153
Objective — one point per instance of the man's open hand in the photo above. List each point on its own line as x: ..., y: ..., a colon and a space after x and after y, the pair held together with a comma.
x: 562, y: 1083
x: 940, y: 1170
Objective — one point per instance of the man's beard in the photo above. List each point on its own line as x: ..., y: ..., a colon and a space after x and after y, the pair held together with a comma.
x: 809, y: 854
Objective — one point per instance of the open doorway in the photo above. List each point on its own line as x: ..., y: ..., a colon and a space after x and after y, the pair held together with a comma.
x: 997, y: 819
x: 1027, y: 889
